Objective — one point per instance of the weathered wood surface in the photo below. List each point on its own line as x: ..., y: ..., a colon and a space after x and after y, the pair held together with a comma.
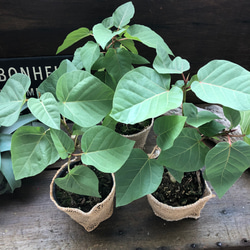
x: 29, y: 220
x: 197, y: 30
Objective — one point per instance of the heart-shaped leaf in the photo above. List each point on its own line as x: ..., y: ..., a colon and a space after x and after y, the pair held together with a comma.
x: 225, y: 163
x: 32, y: 150
x: 225, y: 83
x: 143, y: 176
x: 63, y: 143
x: 187, y: 154
x: 84, y: 99
x: 46, y: 110
x: 105, y: 149
x: 80, y: 180
x: 142, y: 94
x: 167, y: 129
x: 12, y: 98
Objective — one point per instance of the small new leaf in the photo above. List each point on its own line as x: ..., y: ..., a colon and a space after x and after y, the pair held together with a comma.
x: 80, y: 180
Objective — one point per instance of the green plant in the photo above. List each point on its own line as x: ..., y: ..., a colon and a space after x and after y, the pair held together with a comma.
x: 7, y: 179
x: 181, y: 138
x: 79, y: 92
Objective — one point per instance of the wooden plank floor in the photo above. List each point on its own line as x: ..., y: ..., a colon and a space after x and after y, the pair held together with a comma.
x: 29, y: 220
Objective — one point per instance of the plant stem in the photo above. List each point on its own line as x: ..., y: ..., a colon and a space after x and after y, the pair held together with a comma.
x: 171, y: 177
x: 64, y: 123
x: 153, y: 151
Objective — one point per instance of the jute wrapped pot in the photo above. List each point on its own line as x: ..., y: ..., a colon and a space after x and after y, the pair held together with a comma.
x: 140, y: 137
x: 170, y: 213
x: 95, y: 216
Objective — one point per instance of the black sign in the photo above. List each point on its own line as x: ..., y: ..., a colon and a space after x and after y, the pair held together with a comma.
x: 37, y: 68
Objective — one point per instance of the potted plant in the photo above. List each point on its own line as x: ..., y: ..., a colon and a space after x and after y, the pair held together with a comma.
x: 111, y: 55
x: 145, y: 92
x: 74, y: 104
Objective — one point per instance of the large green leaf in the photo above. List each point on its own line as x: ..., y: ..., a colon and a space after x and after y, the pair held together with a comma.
x: 117, y: 62
x: 123, y: 14
x: 164, y: 65
x: 143, y: 93
x: 6, y: 169
x: 105, y: 149
x: 146, y: 36
x: 167, y: 129
x: 138, y: 177
x: 46, y: 110
x: 63, y: 143
x: 80, y: 180
x: 12, y: 98
x: 84, y: 99
x: 225, y: 83
x: 49, y: 84
x: 195, y: 118
x: 187, y: 154
x: 225, y: 163
x: 32, y: 150
x: 86, y: 56
x: 73, y: 37
x: 245, y: 125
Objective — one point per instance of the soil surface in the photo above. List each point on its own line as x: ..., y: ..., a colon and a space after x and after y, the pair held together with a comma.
x: 128, y: 129
x: 82, y: 202
x: 177, y: 194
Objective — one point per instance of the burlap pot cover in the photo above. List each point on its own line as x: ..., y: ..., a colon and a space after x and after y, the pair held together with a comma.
x: 95, y: 216
x: 141, y: 137
x: 170, y: 213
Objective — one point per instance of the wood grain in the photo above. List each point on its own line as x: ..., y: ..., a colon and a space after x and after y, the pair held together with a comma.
x: 196, y: 30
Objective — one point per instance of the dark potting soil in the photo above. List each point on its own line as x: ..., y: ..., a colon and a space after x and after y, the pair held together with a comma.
x: 128, y: 129
x: 82, y: 202
x: 180, y: 194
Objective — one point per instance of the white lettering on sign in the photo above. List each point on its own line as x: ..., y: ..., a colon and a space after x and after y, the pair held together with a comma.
x: 31, y: 92
x: 3, y: 77
x: 38, y: 73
